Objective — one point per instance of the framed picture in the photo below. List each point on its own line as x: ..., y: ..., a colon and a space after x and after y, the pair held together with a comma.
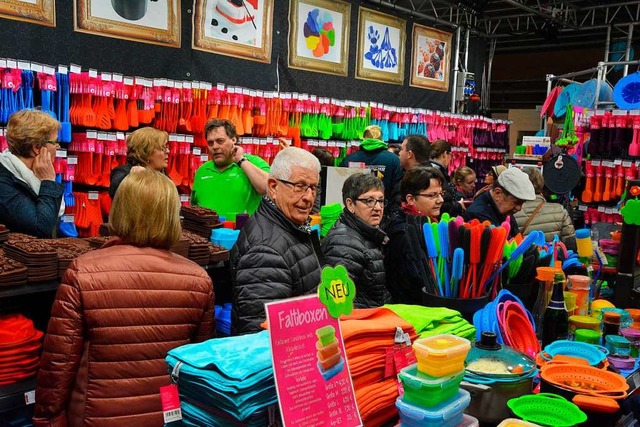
x: 431, y: 58
x: 319, y: 35
x: 381, y: 40
x: 243, y: 31
x: 41, y: 12
x: 156, y: 22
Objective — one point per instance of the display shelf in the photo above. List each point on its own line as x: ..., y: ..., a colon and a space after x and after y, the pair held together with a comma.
x: 31, y: 288
x: 16, y: 395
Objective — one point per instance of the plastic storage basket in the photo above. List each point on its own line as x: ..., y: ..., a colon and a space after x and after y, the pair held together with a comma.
x: 426, y: 391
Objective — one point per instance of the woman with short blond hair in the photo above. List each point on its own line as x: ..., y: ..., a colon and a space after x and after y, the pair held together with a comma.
x: 117, y: 313
x: 30, y: 198
x: 146, y: 148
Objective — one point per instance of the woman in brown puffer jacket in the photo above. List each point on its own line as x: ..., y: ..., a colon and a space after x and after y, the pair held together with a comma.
x: 550, y: 218
x: 117, y: 313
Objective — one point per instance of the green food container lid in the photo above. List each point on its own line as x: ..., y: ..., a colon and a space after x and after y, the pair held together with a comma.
x: 587, y: 335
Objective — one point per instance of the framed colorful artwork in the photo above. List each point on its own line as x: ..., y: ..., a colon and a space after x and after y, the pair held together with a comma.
x: 226, y: 28
x: 156, y: 22
x: 41, y: 12
x: 319, y: 35
x: 381, y: 40
x: 431, y: 58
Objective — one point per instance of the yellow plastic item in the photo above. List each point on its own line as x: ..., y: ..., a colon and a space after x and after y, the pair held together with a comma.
x: 598, y: 305
x: 514, y: 422
x: 570, y: 301
x: 441, y: 355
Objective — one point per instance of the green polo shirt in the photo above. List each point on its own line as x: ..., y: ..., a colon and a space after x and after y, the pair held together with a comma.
x: 228, y: 192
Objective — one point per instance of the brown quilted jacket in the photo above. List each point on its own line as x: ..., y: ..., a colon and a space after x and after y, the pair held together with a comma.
x: 117, y: 313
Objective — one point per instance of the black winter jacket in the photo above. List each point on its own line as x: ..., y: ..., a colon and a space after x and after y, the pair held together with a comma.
x: 24, y: 211
x: 358, y: 246
x: 450, y: 204
x: 273, y: 259
x: 484, y: 208
x: 117, y: 175
x: 405, y: 259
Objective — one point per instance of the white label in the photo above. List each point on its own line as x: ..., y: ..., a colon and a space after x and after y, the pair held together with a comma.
x: 24, y: 65
x: 619, y: 112
x: 617, y: 162
x: 173, y: 137
x: 204, y: 158
x: 582, y: 208
x: 93, y: 195
x: 75, y: 69
x: 72, y: 160
x: 61, y: 153
x: 36, y: 68
x: 63, y: 69
x: 11, y: 63
x: 3, y: 63
x: 119, y: 135
x: 93, y: 73
x: 111, y: 136
x: 128, y: 81
x: 189, y: 139
x: 220, y: 86
x: 48, y: 69
x: 601, y: 208
x: 173, y: 415
x: 92, y: 134
x: 208, y: 86
x: 180, y: 138
x: 117, y: 78
x: 595, y: 163
x: 184, y: 198
x: 30, y: 397
x: 197, y: 151
x: 186, y: 85
x: 67, y: 218
x: 626, y: 164
x: 106, y: 77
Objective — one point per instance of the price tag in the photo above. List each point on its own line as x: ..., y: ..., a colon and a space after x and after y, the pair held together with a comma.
x: 93, y: 195
x: 106, y: 77
x: 204, y: 158
x: 3, y: 63
x: 128, y: 81
x: 72, y: 160
x: 184, y: 198
x: 67, y: 218
x: 170, y: 403
x: 196, y: 151
x: 11, y: 63
x: 92, y: 134
x: 30, y: 397
x: 48, y: 69
x: 61, y: 154
x: 617, y: 162
x: 24, y: 65
x: 93, y: 73
x: 180, y: 138
x: 37, y: 68
x: 582, y: 208
x: 63, y: 69
x: 601, y: 208
x: 189, y: 139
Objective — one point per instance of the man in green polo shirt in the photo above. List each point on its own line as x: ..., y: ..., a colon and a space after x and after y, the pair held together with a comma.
x: 233, y: 182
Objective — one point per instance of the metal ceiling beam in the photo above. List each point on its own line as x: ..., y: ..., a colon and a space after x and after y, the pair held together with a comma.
x: 536, y: 12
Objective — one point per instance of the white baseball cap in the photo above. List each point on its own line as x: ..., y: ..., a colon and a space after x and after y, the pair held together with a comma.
x: 517, y: 183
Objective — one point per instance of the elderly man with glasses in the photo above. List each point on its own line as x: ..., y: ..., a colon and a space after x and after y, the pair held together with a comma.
x: 505, y: 198
x: 277, y: 256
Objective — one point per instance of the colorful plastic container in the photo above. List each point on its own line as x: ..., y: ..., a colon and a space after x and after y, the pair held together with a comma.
x: 426, y: 391
x: 635, y: 316
x: 326, y: 335
x: 583, y: 322
x: 580, y: 286
x: 448, y: 414
x: 588, y: 336
x: 633, y: 335
x: 469, y: 421
x: 618, y: 346
x: 327, y: 351
x: 441, y: 355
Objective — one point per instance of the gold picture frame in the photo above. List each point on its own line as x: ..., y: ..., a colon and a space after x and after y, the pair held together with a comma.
x: 381, y: 41
x: 431, y: 58
x: 241, y: 32
x: 326, y: 49
x: 130, y: 20
x: 42, y: 12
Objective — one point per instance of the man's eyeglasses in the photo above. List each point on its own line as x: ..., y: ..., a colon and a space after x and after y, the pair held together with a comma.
x: 371, y: 203
x: 299, y: 187
x: 431, y: 196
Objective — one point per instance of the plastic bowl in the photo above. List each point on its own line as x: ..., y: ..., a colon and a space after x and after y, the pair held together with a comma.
x: 585, y: 379
x: 547, y: 409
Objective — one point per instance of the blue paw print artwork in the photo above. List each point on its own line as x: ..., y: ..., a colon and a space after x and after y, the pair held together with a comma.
x: 380, y: 56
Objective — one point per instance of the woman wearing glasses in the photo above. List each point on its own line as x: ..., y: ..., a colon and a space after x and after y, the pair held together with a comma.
x: 30, y: 198
x: 356, y: 240
x: 146, y: 148
x: 405, y: 259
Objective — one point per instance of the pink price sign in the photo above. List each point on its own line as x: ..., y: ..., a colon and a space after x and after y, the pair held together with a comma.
x: 310, y: 365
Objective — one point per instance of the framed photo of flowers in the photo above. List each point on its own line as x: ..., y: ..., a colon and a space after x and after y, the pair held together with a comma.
x: 431, y: 59
x: 41, y: 12
x: 319, y: 35
x: 381, y: 40
x: 242, y: 30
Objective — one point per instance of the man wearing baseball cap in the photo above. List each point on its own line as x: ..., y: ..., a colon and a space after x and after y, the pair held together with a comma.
x: 505, y: 198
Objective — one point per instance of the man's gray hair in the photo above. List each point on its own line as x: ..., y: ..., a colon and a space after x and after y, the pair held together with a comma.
x: 290, y: 157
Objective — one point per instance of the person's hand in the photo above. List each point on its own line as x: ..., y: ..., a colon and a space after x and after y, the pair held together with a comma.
x: 464, y: 207
x: 284, y: 143
x: 43, y: 166
x: 238, y: 153
x: 137, y: 169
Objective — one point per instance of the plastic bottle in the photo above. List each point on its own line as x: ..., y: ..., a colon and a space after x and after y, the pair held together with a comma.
x: 583, y: 242
x: 555, y: 325
x: 580, y: 286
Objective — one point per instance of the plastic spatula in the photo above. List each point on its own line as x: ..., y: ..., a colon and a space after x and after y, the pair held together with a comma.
x: 587, y: 194
x: 597, y: 193
x: 634, y: 148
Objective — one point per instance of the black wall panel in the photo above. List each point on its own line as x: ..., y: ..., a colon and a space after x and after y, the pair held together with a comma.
x: 62, y: 45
